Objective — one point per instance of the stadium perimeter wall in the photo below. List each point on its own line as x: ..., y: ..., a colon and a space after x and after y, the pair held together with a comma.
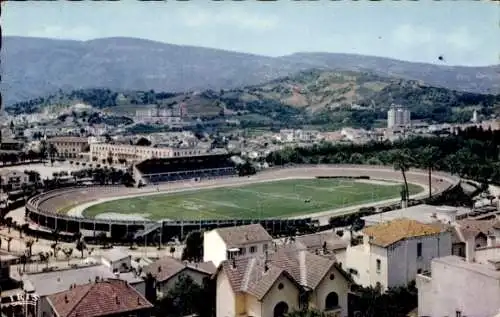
x: 50, y: 220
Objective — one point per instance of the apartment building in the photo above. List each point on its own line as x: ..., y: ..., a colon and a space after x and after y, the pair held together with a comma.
x: 392, y: 253
x: 398, y: 116
x: 457, y: 286
x: 69, y: 146
x: 135, y: 153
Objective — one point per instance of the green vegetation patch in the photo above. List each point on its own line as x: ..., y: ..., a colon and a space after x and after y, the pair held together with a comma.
x: 263, y: 200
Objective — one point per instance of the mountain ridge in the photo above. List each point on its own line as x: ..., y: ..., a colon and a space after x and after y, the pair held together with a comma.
x: 36, y: 67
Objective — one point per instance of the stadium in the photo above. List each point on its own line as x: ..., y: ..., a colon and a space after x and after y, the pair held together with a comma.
x: 184, y: 194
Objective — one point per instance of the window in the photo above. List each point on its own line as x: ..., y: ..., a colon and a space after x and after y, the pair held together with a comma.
x: 458, y: 313
x: 265, y: 247
x: 243, y: 251
x: 419, y: 249
x: 378, y: 265
x: 331, y: 301
x: 252, y: 249
x: 280, y: 286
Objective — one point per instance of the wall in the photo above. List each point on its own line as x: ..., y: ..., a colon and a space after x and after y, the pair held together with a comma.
x: 140, y: 287
x: 225, y: 298
x: 214, y: 248
x: 363, y: 258
x: 289, y: 294
x: 454, y: 288
x: 404, y: 263
x: 253, y: 306
x: 339, y: 285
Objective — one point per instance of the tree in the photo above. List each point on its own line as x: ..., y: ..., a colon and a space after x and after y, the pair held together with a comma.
x: 68, y: 252
x: 9, y: 240
x: 29, y: 245
x: 172, y: 251
x: 80, y: 246
x: 185, y: 298
x: 55, y: 248
x: 193, y: 251
x: 143, y: 142
x: 357, y: 225
x: 8, y: 223
x: 44, y: 258
x: 429, y: 158
x: 402, y: 161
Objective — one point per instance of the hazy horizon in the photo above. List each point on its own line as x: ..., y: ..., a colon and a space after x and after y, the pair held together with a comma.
x: 464, y: 33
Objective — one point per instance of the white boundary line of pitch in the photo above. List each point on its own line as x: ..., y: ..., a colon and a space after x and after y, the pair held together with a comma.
x: 78, y: 210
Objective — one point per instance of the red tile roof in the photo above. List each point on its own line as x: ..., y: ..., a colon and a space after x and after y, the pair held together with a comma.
x: 243, y: 235
x: 167, y: 267
x: 98, y: 299
x: 303, y: 268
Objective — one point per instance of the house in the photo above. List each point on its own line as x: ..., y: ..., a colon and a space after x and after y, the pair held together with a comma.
x: 457, y: 286
x: 13, y: 179
x: 47, y: 283
x: 392, y: 253
x: 285, y: 280
x: 108, y: 298
x: 483, y: 233
x: 249, y: 240
x: 326, y: 243
x: 167, y: 270
x: 117, y: 260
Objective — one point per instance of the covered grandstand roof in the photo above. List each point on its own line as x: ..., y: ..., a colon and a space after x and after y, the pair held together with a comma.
x: 180, y: 164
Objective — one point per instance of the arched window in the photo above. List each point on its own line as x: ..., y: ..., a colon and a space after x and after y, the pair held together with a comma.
x: 332, y: 301
x: 280, y: 309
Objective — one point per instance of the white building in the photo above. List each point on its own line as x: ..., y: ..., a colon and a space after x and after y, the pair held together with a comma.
x: 245, y: 241
x: 392, y: 253
x: 116, y: 260
x: 459, y: 287
x: 421, y: 213
x: 398, y: 116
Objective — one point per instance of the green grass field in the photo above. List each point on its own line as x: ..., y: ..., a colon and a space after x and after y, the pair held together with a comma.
x: 262, y: 200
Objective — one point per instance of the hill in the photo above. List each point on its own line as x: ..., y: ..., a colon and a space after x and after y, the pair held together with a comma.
x: 315, y: 97
x: 34, y: 67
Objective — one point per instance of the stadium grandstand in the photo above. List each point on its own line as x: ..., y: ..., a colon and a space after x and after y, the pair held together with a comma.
x: 158, y: 170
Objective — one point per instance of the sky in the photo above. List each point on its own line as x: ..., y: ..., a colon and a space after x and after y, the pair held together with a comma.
x: 463, y: 32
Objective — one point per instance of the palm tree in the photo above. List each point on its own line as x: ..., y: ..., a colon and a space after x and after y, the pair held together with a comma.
x: 44, y: 258
x: 429, y: 159
x: 29, y: 245
x: 55, y: 248
x: 402, y: 161
x: 68, y: 252
x: 9, y: 240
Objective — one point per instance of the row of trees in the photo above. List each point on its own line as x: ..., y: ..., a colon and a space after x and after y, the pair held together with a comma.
x: 472, y: 153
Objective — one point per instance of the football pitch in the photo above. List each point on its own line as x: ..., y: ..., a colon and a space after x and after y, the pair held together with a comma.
x: 276, y: 199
